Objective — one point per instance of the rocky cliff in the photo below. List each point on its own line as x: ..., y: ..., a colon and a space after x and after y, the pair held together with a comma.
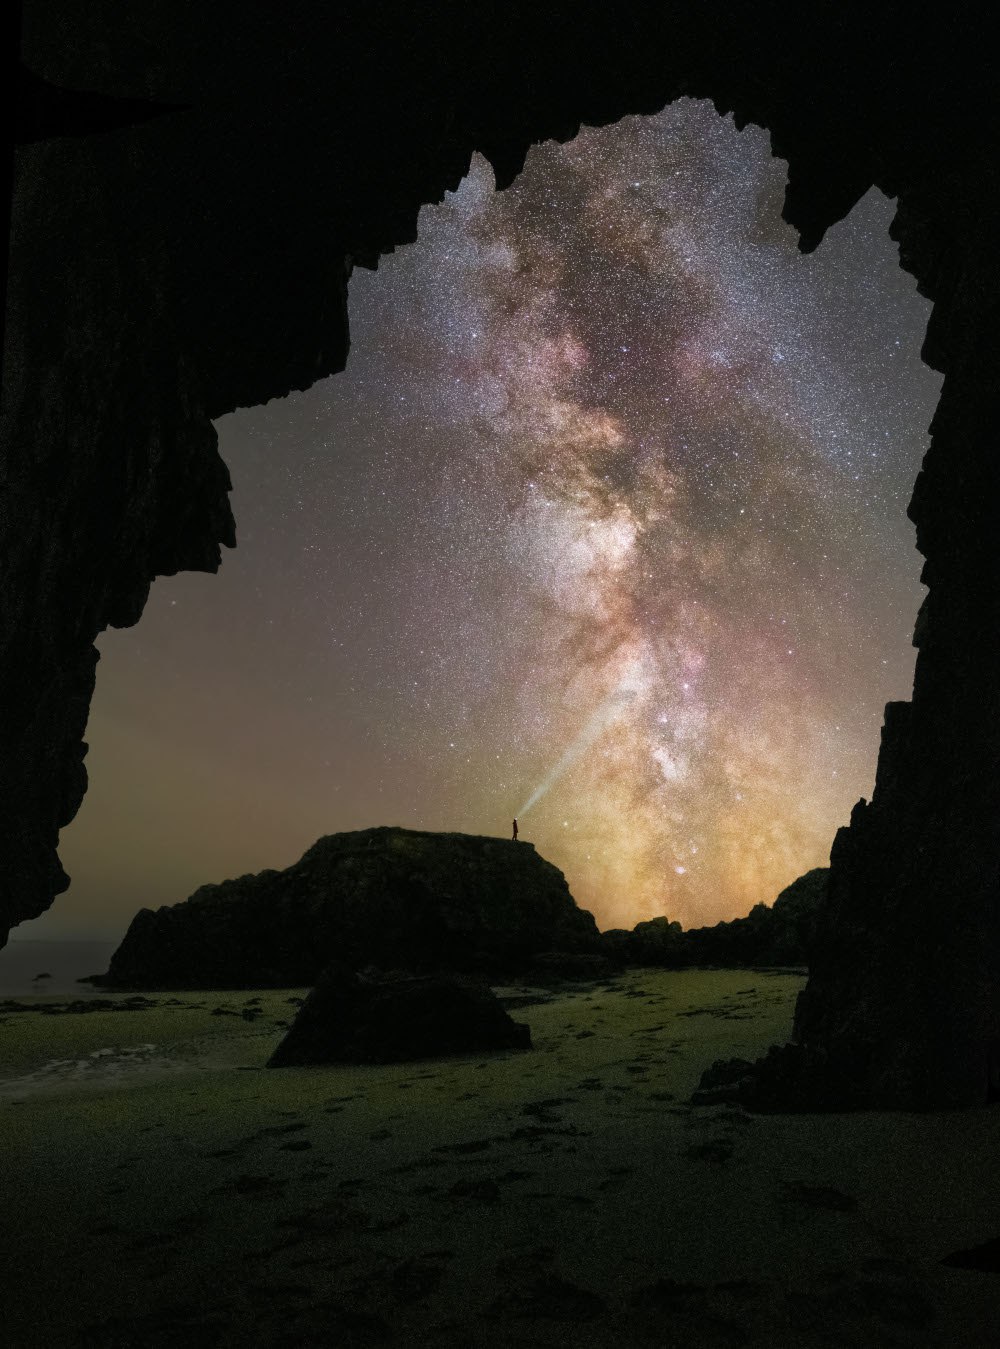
x: 781, y: 933
x: 394, y: 898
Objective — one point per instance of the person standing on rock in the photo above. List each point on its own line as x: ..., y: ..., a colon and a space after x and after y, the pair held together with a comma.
x: 513, y: 837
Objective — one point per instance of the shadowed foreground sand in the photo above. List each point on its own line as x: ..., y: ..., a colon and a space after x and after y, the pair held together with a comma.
x: 162, y: 1189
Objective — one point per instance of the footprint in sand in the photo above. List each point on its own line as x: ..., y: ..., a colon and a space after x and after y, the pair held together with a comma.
x: 543, y: 1110
x: 614, y: 1178
x: 716, y: 1150
x: 818, y: 1196
x: 418, y: 1277
x: 547, y: 1298
x: 251, y: 1186
x: 483, y: 1190
x: 277, y: 1130
x: 473, y: 1145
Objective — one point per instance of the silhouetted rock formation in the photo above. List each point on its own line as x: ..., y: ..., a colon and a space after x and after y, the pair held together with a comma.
x: 392, y: 898
x: 348, y: 1019
x: 902, y: 1007
x: 776, y: 934
x: 655, y: 942
x: 314, y: 135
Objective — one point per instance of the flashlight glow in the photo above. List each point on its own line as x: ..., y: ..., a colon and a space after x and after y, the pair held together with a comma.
x: 601, y: 719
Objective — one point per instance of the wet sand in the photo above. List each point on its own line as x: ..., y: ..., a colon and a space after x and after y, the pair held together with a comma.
x: 162, y: 1188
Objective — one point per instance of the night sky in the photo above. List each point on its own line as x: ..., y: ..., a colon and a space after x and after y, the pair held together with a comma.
x: 609, y: 506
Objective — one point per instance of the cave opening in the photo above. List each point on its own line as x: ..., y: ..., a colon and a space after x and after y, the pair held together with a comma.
x: 604, y: 435
x: 170, y: 271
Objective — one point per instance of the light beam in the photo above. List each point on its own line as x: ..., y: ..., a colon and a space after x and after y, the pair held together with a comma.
x: 598, y: 722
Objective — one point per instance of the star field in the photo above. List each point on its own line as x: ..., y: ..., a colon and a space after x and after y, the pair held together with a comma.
x: 608, y: 510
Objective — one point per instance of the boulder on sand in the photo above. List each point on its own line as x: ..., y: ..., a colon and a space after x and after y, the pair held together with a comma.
x: 349, y: 1019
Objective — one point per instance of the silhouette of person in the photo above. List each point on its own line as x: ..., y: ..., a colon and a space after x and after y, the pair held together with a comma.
x: 513, y: 837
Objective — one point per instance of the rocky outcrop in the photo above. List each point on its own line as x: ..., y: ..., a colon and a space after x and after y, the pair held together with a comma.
x: 348, y: 1019
x: 778, y: 934
x: 658, y: 941
x: 390, y: 898
x: 165, y: 273
x: 781, y: 933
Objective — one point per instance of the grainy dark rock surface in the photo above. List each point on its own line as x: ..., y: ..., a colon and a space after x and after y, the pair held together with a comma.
x: 570, y: 965
x: 347, y: 1019
x: 166, y: 272
x: 985, y: 1257
x: 396, y: 899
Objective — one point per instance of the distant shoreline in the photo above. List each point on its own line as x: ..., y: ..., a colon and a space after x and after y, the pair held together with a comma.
x: 63, y: 961
x: 63, y: 941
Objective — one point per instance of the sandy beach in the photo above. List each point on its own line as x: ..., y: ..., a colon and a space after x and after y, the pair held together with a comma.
x: 163, y: 1188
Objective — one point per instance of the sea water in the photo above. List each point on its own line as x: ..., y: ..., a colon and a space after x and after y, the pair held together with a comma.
x: 65, y: 963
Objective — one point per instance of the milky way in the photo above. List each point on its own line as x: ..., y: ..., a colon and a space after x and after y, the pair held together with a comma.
x: 607, y: 515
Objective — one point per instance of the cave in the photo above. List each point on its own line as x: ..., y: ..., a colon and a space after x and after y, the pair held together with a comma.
x: 193, y: 189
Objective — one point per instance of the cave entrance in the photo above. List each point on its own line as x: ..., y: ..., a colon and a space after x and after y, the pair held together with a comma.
x: 612, y: 465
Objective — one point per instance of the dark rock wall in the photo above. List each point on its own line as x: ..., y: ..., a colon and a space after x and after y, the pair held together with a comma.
x: 164, y: 274
x: 904, y: 992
